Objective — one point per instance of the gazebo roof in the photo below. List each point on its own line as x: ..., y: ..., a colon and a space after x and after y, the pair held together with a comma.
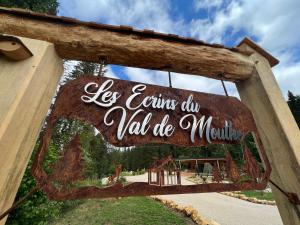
x: 158, y: 164
x: 201, y: 160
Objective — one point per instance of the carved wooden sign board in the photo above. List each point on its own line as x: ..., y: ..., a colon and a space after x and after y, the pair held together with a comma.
x: 131, y: 114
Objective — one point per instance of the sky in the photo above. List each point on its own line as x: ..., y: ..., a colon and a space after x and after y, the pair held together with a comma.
x: 273, y: 24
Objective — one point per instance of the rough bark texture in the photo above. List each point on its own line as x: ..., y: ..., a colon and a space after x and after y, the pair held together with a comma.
x: 89, y: 42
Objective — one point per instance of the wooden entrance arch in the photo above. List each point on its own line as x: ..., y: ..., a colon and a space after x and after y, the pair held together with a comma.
x: 27, y: 86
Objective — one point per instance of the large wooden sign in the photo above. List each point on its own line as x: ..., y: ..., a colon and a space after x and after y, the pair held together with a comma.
x: 129, y: 114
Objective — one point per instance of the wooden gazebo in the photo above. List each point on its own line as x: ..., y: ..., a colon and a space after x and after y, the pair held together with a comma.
x: 198, y: 165
x: 191, y: 163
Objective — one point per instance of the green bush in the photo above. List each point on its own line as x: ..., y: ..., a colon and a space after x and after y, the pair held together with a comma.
x: 139, y: 172
x: 37, y: 209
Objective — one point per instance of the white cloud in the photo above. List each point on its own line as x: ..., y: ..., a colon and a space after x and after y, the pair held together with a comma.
x: 289, y: 78
x: 215, y: 27
x: 273, y: 22
x: 287, y: 74
x: 207, y: 4
x: 146, y: 14
x: 147, y: 76
x: 202, y: 84
x: 110, y: 73
x: 181, y: 81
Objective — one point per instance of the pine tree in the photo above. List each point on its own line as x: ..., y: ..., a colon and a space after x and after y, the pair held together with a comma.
x: 217, y: 177
x: 251, y: 166
x: 99, y: 157
x: 69, y: 167
x: 43, y: 6
x: 231, y: 168
x: 86, y: 68
x: 250, y: 143
x: 294, y: 104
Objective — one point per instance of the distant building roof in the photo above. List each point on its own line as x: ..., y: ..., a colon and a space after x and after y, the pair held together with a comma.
x: 158, y: 164
x: 272, y: 60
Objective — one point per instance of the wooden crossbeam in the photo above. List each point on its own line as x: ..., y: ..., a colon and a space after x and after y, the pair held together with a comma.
x: 126, y: 46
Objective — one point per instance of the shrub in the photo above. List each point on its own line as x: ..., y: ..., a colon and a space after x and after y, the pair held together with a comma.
x: 36, y: 209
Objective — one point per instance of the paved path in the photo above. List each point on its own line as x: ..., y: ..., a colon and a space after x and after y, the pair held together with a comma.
x: 224, y: 209
x: 228, y: 210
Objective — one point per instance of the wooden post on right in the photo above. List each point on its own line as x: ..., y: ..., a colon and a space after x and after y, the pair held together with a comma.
x: 277, y: 127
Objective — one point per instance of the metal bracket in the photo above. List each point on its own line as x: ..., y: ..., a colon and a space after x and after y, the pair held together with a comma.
x: 102, y: 62
x: 170, y: 79
x: 221, y: 75
x: 292, y: 197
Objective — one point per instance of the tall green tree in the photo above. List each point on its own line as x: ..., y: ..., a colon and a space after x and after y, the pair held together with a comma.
x: 99, y: 164
x: 294, y: 104
x: 38, y: 209
x: 85, y: 68
x: 93, y: 145
x: 42, y: 6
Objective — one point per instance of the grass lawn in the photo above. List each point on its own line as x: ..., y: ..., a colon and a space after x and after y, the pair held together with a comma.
x: 259, y: 195
x: 131, y: 210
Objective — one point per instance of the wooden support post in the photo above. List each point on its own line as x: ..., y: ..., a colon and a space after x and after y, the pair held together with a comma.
x: 163, y: 177
x: 277, y: 128
x: 149, y: 177
x: 26, y: 90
